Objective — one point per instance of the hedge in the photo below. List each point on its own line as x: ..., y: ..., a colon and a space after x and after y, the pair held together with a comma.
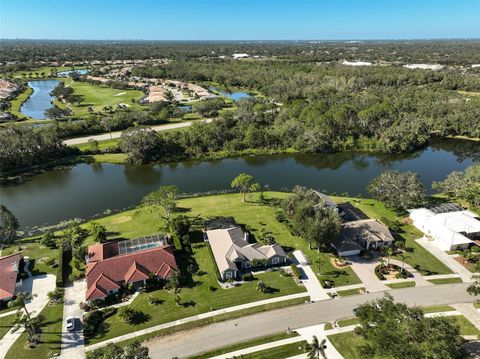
x: 60, y: 280
x: 378, y: 272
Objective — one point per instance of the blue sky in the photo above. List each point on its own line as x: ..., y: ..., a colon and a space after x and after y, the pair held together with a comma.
x: 239, y: 19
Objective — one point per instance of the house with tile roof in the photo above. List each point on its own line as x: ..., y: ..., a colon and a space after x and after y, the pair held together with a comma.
x: 9, y: 276
x: 114, y: 264
x: 233, y: 253
x: 364, y: 234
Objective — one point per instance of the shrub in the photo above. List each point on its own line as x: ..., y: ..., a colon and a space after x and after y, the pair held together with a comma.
x: 93, y: 320
x: 248, y: 277
x: 283, y: 272
x: 127, y: 314
x: 295, y: 271
x: 280, y: 217
x: 378, y: 272
x: 56, y: 296
x: 48, y: 240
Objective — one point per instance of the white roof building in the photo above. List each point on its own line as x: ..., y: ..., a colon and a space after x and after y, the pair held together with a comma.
x: 450, y: 226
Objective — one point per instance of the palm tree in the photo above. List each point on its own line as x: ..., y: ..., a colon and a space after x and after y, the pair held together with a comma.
x: 389, y: 254
x: 30, y: 325
x: 316, y: 349
x: 261, y: 286
x: 403, y: 256
x: 21, y: 300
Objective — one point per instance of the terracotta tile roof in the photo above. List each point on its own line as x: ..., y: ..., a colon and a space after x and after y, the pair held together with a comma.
x: 108, y: 274
x: 8, y: 275
x: 101, y: 251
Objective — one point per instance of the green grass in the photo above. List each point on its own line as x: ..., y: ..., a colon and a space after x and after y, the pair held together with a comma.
x: 328, y: 326
x: 201, y: 295
x: 39, y: 253
x: 437, y: 309
x: 215, y: 319
x: 45, y: 69
x: 6, y: 323
x: 445, y: 280
x: 347, y: 344
x: 417, y: 256
x: 102, y: 145
x: 51, y: 336
x: 99, y: 96
x: 344, y: 293
x: 281, y: 352
x: 401, y: 284
x: 115, y: 158
x: 466, y: 327
x: 17, y: 102
x: 256, y: 216
x: 347, y: 322
x: 245, y: 344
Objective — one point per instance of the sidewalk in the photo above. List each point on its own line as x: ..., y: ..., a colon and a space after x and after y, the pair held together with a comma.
x: 469, y: 312
x: 446, y: 259
x: 309, y: 279
x: 417, y: 277
x: 39, y: 286
x: 195, y: 318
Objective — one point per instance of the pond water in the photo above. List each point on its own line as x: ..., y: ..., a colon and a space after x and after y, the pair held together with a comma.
x: 40, y: 100
x: 86, y: 189
x: 235, y: 96
x: 68, y: 72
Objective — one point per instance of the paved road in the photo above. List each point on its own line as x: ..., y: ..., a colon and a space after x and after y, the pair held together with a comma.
x: 73, y: 344
x: 117, y: 134
x: 197, y: 340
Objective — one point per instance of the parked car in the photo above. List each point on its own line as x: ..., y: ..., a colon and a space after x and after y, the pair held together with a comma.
x: 70, y: 324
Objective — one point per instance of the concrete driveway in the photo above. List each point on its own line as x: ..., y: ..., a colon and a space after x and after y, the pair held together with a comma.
x: 309, y: 279
x: 365, y: 270
x: 39, y: 286
x: 73, y: 344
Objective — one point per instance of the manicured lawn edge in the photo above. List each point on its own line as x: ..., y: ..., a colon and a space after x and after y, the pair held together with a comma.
x: 281, y: 352
x: 245, y: 344
x: 401, y: 285
x: 445, y: 280
x: 347, y: 292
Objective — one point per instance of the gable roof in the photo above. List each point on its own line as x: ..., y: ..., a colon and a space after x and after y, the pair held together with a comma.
x: 370, y: 230
x: 108, y: 274
x: 8, y: 275
x: 229, y: 245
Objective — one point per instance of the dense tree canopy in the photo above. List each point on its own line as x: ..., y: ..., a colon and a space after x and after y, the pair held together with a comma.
x: 393, y: 330
x: 462, y: 184
x: 398, y: 190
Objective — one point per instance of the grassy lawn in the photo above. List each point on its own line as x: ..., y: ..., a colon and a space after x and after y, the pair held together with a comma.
x: 245, y: 344
x: 5, y: 324
x: 347, y: 322
x: 466, y: 327
x: 347, y: 344
x: 50, y: 341
x: 36, y: 73
x: 115, y: 158
x: 437, y: 308
x: 417, y: 256
x: 98, y: 96
x: 281, y: 352
x: 40, y: 254
x: 446, y: 280
x: 254, y: 215
x: 401, y: 285
x: 17, y: 102
x: 344, y: 293
x: 201, y: 295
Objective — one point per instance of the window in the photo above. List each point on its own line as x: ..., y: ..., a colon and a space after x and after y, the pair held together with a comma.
x: 248, y: 264
x: 275, y: 260
x: 228, y: 275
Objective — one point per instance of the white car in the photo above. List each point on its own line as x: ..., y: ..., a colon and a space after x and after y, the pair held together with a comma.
x: 70, y: 324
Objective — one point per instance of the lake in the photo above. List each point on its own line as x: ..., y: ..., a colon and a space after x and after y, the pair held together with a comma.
x: 68, y: 72
x: 235, y: 96
x: 88, y: 189
x: 40, y: 100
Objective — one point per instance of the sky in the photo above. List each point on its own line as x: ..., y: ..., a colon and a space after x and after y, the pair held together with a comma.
x: 239, y: 19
